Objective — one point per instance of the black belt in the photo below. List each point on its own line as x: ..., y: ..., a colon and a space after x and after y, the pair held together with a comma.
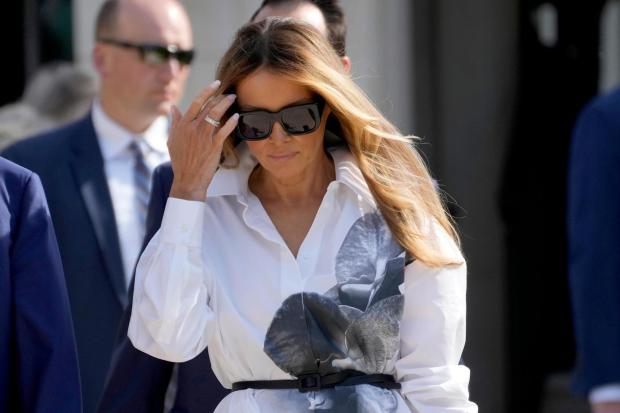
x: 314, y: 381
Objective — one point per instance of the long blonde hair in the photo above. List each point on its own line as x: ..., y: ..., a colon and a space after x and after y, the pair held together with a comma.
x: 392, y: 167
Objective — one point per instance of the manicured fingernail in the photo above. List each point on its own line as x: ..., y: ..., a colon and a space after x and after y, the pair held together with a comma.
x: 216, y: 83
x: 231, y: 97
x: 235, y: 116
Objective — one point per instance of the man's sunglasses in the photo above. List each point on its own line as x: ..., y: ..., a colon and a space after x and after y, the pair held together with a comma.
x: 295, y: 120
x: 155, y: 54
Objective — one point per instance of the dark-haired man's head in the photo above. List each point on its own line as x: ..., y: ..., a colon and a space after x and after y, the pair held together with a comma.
x: 326, y: 16
x: 140, y: 57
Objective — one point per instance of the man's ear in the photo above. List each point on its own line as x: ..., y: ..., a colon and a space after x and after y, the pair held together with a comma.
x: 100, y: 60
x: 346, y: 63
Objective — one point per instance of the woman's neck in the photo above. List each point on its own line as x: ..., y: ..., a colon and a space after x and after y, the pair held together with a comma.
x: 293, y: 190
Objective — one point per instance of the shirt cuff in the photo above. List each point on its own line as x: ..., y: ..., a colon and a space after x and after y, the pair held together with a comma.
x: 605, y: 394
x: 182, y: 222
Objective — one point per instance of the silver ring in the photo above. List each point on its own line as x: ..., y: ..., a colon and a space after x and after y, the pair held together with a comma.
x: 212, y: 121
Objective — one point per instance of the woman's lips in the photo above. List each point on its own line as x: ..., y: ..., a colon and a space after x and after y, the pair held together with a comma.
x: 283, y: 157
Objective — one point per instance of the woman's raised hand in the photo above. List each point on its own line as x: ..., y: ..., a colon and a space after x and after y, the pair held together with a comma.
x: 196, y: 140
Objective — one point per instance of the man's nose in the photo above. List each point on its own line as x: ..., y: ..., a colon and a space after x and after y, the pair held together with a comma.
x: 170, y: 69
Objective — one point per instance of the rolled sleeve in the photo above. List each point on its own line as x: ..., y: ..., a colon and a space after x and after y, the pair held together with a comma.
x: 432, y: 340
x: 171, y: 318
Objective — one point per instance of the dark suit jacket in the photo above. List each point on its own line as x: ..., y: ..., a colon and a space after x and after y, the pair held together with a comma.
x: 137, y: 382
x: 70, y: 165
x: 38, y: 361
x: 594, y: 242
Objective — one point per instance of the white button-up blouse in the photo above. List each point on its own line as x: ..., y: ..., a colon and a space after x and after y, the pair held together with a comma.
x: 218, y: 274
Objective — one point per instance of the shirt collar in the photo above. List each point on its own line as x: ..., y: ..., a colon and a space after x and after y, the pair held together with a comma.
x: 114, y: 139
x: 234, y: 181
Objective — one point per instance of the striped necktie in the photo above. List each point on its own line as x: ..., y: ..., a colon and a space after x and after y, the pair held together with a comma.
x: 142, y: 182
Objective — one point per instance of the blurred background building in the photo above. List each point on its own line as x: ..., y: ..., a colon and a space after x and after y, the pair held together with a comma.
x: 493, y: 88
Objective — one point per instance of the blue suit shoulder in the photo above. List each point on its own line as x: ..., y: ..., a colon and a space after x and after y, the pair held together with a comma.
x: 14, y: 179
x: 164, y: 171
x: 45, y: 147
x: 11, y: 173
x: 606, y: 107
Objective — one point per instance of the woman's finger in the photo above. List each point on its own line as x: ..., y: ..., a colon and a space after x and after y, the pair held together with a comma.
x: 199, y: 101
x: 226, y: 129
x: 218, y: 110
x: 208, y: 106
x: 211, y: 118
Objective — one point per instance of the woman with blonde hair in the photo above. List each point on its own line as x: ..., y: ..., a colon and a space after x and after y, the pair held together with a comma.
x: 304, y: 243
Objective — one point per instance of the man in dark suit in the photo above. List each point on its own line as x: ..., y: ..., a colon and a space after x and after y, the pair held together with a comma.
x: 594, y: 251
x: 96, y: 171
x: 138, y: 382
x: 38, y: 360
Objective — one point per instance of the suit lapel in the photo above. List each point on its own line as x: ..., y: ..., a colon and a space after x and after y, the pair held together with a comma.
x: 87, y: 165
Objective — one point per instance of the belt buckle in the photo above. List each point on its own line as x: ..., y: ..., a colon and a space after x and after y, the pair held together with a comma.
x: 309, y: 382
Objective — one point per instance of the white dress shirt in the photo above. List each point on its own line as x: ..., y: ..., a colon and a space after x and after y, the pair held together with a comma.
x: 118, y: 160
x: 219, y: 274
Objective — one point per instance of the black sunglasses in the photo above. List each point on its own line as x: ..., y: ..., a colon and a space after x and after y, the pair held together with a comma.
x: 155, y: 54
x: 296, y: 120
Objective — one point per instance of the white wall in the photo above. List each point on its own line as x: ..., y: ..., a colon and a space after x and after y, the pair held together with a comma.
x: 375, y: 28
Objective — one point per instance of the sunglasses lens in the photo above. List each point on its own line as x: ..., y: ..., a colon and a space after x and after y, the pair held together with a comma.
x: 299, y: 120
x: 296, y: 120
x: 254, y: 126
x: 185, y: 57
x: 155, y: 55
